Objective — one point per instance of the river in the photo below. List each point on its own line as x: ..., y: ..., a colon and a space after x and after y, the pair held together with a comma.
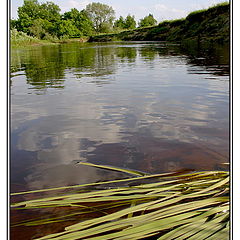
x: 151, y: 106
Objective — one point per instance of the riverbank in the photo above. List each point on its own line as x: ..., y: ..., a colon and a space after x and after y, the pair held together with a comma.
x: 209, y: 24
x: 20, y: 39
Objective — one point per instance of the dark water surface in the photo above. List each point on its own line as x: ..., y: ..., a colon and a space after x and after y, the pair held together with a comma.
x: 150, y: 106
x: 154, y: 107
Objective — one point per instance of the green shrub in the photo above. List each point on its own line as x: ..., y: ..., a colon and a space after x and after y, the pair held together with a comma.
x: 49, y: 37
x: 21, y: 36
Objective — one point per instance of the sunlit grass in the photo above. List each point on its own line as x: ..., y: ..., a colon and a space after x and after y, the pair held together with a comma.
x: 197, y: 13
x: 170, y: 206
x: 22, y: 39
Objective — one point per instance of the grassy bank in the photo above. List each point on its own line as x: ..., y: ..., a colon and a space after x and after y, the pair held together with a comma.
x: 21, y: 39
x: 68, y: 40
x: 207, y: 24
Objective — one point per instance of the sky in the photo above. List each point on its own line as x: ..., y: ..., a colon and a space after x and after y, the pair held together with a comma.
x: 161, y: 9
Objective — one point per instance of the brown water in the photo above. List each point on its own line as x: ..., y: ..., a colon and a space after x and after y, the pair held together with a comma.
x: 149, y: 106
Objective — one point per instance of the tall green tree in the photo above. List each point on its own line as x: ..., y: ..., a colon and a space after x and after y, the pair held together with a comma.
x: 73, y: 14
x: 119, y: 23
x: 50, y: 11
x: 26, y: 14
x: 100, y: 14
x: 80, y: 20
x: 147, y: 21
x: 38, y: 19
x: 85, y: 24
x: 44, y: 21
x: 13, y: 24
x: 68, y: 29
x: 39, y: 28
x: 130, y: 22
x: 105, y: 27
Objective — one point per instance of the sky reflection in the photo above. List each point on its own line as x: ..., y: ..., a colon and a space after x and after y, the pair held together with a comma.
x: 136, y: 106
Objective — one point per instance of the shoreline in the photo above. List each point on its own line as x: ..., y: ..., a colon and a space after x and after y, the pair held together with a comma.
x: 207, y: 25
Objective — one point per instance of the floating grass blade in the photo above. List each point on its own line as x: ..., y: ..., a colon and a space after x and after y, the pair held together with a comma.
x: 174, y: 206
x: 161, y: 175
x: 132, y: 172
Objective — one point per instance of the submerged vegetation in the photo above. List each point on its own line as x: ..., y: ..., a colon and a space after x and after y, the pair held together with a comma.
x: 162, y: 206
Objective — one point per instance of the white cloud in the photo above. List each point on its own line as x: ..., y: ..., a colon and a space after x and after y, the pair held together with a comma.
x: 160, y: 7
x: 78, y: 4
x: 74, y: 4
x: 164, y: 12
x: 198, y: 6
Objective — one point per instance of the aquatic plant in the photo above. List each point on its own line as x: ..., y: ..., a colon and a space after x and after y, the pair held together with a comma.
x: 164, y: 206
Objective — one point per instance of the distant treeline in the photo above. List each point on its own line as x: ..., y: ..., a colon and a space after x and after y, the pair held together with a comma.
x: 212, y: 24
x: 44, y: 20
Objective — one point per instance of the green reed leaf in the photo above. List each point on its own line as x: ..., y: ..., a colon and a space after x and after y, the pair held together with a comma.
x: 174, y: 206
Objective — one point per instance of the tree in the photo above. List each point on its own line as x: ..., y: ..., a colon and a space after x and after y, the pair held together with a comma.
x: 80, y: 20
x: 37, y: 19
x: 147, y: 21
x: 50, y: 11
x: 67, y: 29
x: 105, y: 27
x: 30, y: 8
x: 119, y: 23
x: 100, y: 13
x: 13, y: 24
x: 127, y: 23
x: 38, y: 28
x: 85, y: 24
x: 73, y: 14
x: 26, y: 14
x: 130, y: 22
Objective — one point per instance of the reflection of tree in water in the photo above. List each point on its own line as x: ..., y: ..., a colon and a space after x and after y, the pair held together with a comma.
x: 45, y: 66
x: 167, y: 49
x: 126, y: 53
x: 104, y: 61
x: 213, y: 57
x: 15, y: 62
x: 100, y: 65
x: 77, y: 56
x: 42, y: 65
x: 44, y: 73
x: 148, y: 53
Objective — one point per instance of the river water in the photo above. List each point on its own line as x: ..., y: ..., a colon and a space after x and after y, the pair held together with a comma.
x: 151, y: 106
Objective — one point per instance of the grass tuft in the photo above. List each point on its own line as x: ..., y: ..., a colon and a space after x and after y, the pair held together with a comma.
x: 170, y: 206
